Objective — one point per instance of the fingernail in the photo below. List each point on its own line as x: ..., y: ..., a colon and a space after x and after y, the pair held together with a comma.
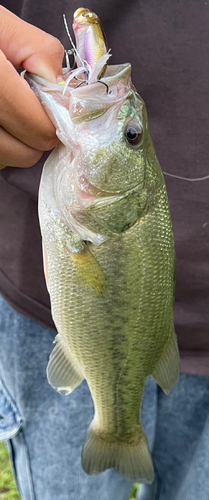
x: 45, y: 71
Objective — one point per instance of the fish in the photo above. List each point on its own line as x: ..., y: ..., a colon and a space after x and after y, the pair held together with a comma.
x: 91, y: 41
x: 109, y: 262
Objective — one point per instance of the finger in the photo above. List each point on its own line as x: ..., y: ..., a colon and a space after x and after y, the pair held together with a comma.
x: 14, y: 153
x: 29, y: 47
x: 21, y: 113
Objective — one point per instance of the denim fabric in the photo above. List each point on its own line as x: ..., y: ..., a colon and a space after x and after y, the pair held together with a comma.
x: 181, y: 445
x: 45, y: 431
x: 10, y: 419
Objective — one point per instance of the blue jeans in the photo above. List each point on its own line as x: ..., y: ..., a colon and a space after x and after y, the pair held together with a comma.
x: 45, y: 431
x: 180, y: 448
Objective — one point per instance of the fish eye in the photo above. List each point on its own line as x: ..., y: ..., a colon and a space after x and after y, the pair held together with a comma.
x: 87, y: 15
x: 133, y: 134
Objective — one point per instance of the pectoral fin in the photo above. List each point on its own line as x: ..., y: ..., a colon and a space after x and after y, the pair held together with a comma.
x: 89, y: 271
x: 62, y: 371
x: 166, y: 373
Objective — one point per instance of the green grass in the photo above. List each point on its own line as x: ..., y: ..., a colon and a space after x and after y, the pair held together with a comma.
x: 134, y: 491
x: 8, y: 490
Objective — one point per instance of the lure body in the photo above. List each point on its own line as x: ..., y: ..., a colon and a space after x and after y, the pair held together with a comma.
x: 91, y: 42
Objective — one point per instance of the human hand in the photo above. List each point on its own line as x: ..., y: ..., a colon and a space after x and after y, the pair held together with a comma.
x: 25, y: 129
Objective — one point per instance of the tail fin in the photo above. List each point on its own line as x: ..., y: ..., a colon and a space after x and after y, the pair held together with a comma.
x: 133, y: 461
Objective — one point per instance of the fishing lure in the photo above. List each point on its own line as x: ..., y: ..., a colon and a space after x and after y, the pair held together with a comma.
x: 90, y: 38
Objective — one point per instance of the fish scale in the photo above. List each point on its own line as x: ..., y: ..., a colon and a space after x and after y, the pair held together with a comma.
x: 109, y: 262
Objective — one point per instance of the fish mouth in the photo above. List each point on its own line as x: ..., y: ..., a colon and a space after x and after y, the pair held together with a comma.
x: 88, y: 190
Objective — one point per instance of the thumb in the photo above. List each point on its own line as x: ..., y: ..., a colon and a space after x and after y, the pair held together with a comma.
x: 28, y: 47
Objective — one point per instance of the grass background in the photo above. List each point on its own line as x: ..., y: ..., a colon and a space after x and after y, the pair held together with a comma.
x: 8, y: 490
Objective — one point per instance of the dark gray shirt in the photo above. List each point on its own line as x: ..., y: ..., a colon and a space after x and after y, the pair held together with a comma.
x: 168, y: 44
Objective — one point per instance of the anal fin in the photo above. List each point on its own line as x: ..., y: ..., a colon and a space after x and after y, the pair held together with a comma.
x: 62, y: 371
x: 166, y: 373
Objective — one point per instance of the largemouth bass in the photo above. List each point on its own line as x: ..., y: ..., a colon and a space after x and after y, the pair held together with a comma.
x: 109, y: 262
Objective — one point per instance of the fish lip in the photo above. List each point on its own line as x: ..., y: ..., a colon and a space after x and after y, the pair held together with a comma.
x: 114, y: 197
x: 104, y: 198
x: 113, y: 74
x: 121, y: 71
x: 94, y: 193
x: 90, y: 191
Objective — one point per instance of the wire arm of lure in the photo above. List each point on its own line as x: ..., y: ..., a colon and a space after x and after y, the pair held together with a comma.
x: 74, y: 49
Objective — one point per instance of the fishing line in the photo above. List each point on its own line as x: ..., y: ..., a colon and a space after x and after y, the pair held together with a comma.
x: 197, y: 179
